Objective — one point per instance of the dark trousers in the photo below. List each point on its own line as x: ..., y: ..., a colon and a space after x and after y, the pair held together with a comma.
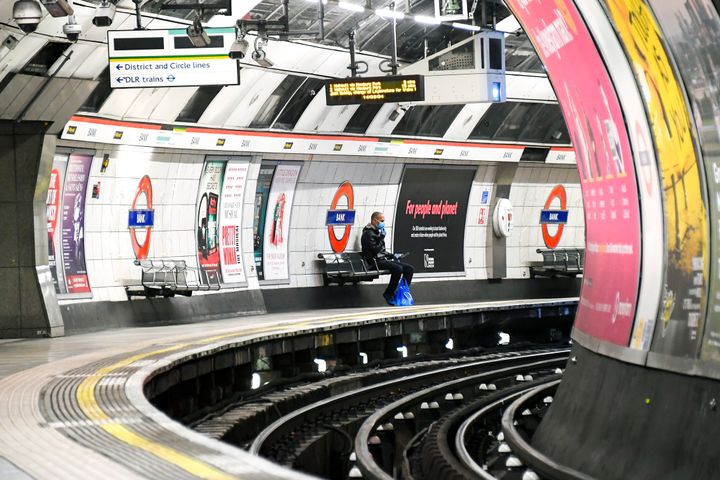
x: 396, y: 270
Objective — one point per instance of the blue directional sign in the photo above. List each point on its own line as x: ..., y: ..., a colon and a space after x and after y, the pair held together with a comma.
x: 553, y: 216
x: 340, y: 217
x: 141, y: 218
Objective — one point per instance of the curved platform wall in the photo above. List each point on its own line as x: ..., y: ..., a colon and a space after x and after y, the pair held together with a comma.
x: 116, y: 173
x: 644, y: 103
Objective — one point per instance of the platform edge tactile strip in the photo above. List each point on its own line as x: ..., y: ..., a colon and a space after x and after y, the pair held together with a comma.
x: 96, y: 401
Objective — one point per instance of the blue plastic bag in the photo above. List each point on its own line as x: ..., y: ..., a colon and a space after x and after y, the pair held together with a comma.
x: 403, y: 297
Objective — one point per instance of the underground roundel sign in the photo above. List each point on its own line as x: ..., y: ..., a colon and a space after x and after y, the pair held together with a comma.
x: 552, y: 215
x: 338, y: 216
x: 141, y: 218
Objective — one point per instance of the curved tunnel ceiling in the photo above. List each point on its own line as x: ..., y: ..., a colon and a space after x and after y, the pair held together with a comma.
x: 287, y: 97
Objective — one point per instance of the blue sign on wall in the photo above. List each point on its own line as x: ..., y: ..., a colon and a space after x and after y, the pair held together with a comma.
x: 141, y: 218
x: 340, y: 217
x: 553, y: 216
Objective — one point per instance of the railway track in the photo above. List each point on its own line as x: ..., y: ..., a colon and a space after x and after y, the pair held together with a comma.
x: 404, y: 427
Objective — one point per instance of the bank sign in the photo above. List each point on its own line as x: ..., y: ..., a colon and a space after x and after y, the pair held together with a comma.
x: 167, y: 58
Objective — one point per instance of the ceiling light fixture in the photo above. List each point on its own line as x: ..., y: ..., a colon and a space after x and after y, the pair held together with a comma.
x: 465, y: 26
x: 351, y: 7
x: 387, y: 13
x: 424, y: 19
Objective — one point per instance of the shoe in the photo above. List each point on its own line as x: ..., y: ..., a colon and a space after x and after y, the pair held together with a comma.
x: 389, y: 299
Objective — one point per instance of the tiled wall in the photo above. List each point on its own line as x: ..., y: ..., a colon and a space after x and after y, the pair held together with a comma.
x: 530, y: 189
x: 108, y: 248
x: 175, y: 176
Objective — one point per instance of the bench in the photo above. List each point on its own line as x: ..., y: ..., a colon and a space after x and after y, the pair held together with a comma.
x: 348, y: 267
x: 167, y: 278
x: 563, y: 261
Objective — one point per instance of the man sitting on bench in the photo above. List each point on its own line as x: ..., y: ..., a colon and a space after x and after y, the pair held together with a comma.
x: 373, y: 249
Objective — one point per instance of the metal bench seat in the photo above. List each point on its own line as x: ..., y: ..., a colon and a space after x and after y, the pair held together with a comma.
x: 167, y: 278
x: 563, y: 261
x: 348, y: 267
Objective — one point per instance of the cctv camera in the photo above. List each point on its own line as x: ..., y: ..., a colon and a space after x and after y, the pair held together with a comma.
x: 197, y: 35
x: 27, y: 15
x: 239, y: 49
x: 104, y: 14
x: 72, y: 31
x: 261, y: 59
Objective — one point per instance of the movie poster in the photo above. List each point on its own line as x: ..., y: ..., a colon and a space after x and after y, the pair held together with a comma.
x: 262, y: 191
x: 685, y: 291
x: 430, y: 217
x: 231, y: 211
x: 53, y: 209
x: 207, y: 222
x: 73, y: 223
x: 277, y: 222
x: 605, y: 163
x: 692, y: 32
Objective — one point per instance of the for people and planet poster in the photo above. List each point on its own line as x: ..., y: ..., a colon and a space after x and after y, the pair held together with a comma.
x: 65, y: 208
x: 430, y: 222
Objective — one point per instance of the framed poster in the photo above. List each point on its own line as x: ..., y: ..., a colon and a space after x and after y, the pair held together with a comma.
x: 430, y: 217
x: 277, y: 223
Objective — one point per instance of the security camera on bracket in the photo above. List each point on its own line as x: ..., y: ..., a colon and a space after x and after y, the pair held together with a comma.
x: 104, y: 14
x: 27, y: 15
x: 72, y: 29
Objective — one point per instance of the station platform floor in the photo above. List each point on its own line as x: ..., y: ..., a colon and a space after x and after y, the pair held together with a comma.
x: 73, y: 407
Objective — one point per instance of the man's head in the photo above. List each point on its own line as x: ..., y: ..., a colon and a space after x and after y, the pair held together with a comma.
x: 377, y: 218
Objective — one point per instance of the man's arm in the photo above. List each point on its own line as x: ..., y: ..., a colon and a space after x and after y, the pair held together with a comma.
x: 371, y: 244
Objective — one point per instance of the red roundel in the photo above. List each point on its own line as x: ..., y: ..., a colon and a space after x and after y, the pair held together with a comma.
x: 144, y: 189
x: 345, y: 190
x: 552, y: 241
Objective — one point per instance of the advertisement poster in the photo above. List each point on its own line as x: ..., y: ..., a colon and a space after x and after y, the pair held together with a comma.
x: 686, y: 279
x: 692, y: 32
x: 53, y: 209
x: 430, y: 222
x: 207, y: 222
x: 73, y: 222
x: 231, y: 210
x: 596, y: 126
x: 277, y: 222
x: 262, y: 192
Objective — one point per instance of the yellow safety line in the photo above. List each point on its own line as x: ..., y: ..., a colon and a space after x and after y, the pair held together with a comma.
x: 89, y: 405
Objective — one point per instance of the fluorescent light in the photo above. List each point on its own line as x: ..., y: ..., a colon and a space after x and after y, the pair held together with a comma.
x: 465, y: 26
x: 426, y: 20
x: 387, y: 13
x: 351, y: 6
x: 508, y: 25
x: 255, y: 381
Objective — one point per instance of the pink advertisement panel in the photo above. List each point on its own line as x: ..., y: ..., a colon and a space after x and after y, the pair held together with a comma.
x: 604, y: 159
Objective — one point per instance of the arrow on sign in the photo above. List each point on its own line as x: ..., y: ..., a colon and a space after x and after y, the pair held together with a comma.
x: 118, y: 66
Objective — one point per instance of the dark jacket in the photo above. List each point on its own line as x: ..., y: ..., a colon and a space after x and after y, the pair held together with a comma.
x: 373, y: 243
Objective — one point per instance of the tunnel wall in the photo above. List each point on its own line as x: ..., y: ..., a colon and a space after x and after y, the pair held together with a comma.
x: 643, y: 404
x: 116, y: 173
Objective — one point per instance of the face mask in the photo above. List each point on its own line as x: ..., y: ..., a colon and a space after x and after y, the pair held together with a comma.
x: 381, y: 226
